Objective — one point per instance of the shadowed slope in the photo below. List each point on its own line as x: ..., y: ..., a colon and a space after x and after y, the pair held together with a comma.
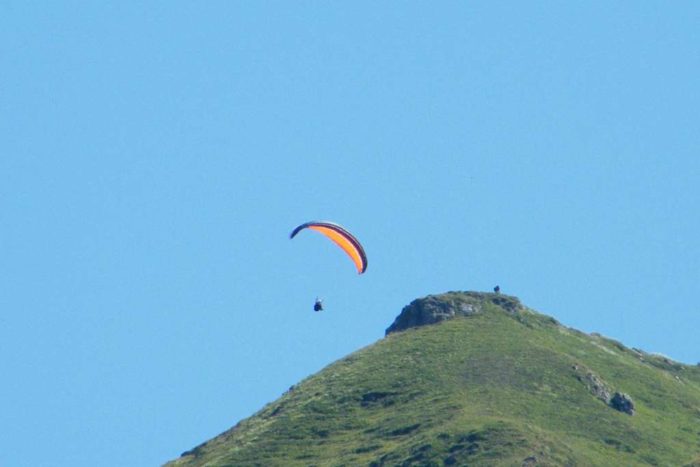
x: 500, y: 385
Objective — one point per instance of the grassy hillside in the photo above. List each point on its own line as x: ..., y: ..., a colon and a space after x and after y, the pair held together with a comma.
x: 495, y: 388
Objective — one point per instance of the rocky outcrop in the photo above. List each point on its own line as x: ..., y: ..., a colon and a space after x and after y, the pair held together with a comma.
x: 622, y: 402
x: 594, y: 383
x: 436, y: 308
x: 601, y: 390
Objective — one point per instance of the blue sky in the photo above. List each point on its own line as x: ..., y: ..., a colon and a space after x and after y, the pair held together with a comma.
x: 154, y: 158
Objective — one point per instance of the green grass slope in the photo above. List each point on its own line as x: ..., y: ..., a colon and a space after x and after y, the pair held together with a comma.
x: 495, y: 388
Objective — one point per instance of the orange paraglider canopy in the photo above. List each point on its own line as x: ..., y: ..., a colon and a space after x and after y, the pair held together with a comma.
x: 340, y: 237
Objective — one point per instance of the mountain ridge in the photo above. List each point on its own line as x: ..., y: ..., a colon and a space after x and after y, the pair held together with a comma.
x: 484, y: 380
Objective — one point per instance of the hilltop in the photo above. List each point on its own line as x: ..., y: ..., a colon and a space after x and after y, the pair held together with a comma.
x: 467, y: 378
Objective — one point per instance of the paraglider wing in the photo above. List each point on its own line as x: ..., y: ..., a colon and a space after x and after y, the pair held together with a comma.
x: 340, y: 237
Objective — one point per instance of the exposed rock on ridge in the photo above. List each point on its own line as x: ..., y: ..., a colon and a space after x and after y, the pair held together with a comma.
x: 436, y: 308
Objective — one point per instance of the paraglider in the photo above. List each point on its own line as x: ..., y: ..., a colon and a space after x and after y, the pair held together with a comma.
x: 341, y: 237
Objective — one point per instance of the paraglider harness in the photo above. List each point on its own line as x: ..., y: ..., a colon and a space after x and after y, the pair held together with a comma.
x: 318, y: 305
